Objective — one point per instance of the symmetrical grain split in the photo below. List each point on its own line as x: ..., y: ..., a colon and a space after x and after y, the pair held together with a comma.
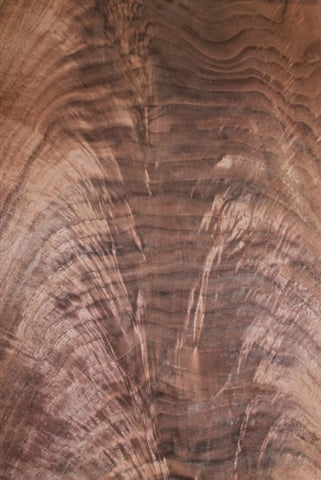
x: 160, y: 240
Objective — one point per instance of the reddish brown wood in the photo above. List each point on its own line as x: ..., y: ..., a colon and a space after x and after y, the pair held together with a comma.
x: 160, y: 240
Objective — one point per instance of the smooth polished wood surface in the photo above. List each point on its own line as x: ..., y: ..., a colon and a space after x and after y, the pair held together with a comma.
x: 160, y: 240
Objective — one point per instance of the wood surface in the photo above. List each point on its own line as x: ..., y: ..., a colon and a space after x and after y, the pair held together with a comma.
x: 160, y: 240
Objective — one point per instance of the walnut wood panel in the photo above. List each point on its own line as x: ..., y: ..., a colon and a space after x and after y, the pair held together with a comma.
x: 160, y: 240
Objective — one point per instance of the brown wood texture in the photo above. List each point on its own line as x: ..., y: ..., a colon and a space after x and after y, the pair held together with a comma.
x: 160, y: 240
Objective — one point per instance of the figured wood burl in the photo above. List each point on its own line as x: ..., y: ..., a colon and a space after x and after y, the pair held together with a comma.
x: 160, y: 240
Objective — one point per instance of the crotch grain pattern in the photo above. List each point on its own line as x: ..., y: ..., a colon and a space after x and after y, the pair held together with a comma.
x: 160, y: 240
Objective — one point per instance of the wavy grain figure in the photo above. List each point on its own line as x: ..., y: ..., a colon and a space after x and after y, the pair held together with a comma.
x: 160, y: 240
